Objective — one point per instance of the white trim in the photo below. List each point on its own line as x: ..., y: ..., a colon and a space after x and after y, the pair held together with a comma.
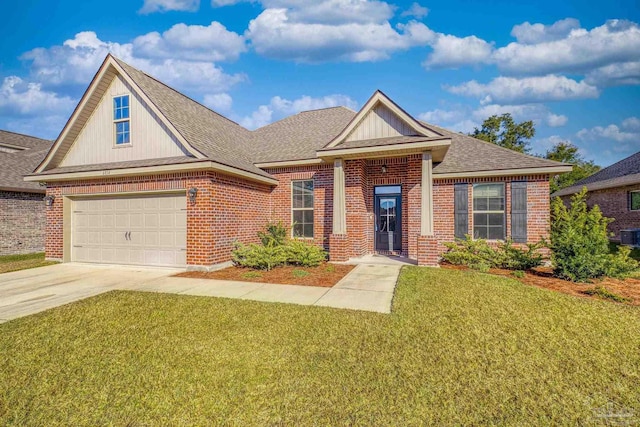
x: 631, y: 200
x: 141, y: 193
x: 312, y: 209
x: 552, y: 170
x: 150, y: 170
x: 286, y: 163
x: 503, y: 212
x: 109, y: 61
x: 379, y: 97
x: 122, y: 120
x: 380, y: 149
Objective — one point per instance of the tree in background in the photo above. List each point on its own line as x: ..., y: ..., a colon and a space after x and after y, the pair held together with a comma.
x: 568, y: 153
x: 505, y: 132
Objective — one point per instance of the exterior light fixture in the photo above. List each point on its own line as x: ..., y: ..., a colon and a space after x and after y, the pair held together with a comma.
x: 193, y: 191
x: 384, y: 168
x: 48, y: 200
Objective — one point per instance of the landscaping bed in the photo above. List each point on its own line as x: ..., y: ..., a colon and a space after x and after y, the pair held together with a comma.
x: 542, y: 277
x: 325, y: 275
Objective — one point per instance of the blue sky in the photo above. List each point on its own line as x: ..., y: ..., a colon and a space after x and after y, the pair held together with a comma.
x: 573, y: 66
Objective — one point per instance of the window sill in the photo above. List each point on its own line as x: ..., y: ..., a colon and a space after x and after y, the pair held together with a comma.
x: 128, y: 145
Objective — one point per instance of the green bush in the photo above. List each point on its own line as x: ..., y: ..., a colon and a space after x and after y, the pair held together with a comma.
x: 275, y: 233
x: 580, y: 244
x: 479, y: 255
x: 300, y: 252
x: 521, y: 259
x: 259, y: 257
x: 519, y: 274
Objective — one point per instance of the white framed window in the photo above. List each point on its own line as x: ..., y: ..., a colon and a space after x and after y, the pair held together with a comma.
x: 302, y: 208
x: 121, y: 120
x: 489, y: 211
x: 634, y: 200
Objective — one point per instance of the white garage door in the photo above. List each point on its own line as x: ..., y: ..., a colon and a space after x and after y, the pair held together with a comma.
x: 141, y: 230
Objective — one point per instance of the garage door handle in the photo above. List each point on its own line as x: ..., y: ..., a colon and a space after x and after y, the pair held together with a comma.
x: 127, y: 235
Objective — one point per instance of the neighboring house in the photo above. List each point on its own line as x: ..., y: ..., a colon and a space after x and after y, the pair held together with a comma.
x: 141, y: 174
x: 616, y: 190
x: 22, y: 210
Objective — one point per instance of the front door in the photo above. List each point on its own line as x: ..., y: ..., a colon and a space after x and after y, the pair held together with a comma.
x: 388, y: 222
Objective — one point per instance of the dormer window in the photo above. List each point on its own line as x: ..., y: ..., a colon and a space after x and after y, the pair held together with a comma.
x: 121, y: 119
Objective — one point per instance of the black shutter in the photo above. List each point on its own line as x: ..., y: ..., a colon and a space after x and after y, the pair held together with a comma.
x: 461, y: 210
x: 519, y: 212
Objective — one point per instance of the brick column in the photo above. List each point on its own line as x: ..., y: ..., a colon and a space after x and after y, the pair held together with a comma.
x: 200, y: 219
x: 54, y: 238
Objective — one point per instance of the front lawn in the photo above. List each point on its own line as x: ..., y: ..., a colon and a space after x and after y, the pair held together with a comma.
x: 460, y: 347
x: 22, y: 262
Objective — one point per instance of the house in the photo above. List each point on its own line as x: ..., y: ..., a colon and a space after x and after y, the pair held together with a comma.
x: 142, y: 174
x: 22, y: 210
x: 616, y: 190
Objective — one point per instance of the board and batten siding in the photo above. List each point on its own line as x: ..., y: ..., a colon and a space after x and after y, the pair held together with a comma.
x: 380, y: 122
x: 95, y: 144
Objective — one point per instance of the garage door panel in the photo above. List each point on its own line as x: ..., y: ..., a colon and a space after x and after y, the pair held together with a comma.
x: 147, y: 230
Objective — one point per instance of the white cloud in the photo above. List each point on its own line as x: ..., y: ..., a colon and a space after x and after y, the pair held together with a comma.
x: 76, y: 61
x: 20, y: 98
x: 528, y: 89
x: 220, y: 3
x: 416, y: 10
x: 218, y: 101
x: 625, y: 73
x: 151, y: 6
x: 527, y: 33
x: 581, y: 50
x: 631, y: 124
x: 191, y: 42
x: 276, y: 35
x: 439, y: 116
x: 610, y: 132
x: 452, y: 52
x: 555, y: 120
x: 280, y: 107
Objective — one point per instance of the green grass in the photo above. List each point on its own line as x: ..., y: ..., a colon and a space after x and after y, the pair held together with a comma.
x: 299, y: 273
x: 251, y: 275
x: 604, y: 293
x: 22, y: 262
x: 460, y: 347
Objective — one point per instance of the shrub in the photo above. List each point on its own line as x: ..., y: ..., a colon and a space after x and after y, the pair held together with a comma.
x: 479, y: 255
x: 300, y: 252
x: 299, y: 273
x: 275, y: 233
x: 519, y: 274
x: 259, y: 257
x: 580, y: 244
x: 604, y: 293
x: 521, y: 259
x: 476, y: 254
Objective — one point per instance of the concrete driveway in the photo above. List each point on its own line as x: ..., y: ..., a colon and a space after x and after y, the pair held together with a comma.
x: 31, y: 291
x: 368, y: 287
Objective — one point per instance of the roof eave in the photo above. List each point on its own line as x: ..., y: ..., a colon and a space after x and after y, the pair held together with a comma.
x: 384, y: 150
x: 544, y: 170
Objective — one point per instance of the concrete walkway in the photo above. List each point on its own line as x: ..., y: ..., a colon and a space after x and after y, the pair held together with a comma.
x: 367, y: 287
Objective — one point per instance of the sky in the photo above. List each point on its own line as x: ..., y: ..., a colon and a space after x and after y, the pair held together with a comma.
x: 573, y: 67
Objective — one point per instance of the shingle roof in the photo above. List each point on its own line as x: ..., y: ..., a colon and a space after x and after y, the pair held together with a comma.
x: 624, y: 172
x: 298, y: 137
x: 468, y: 154
x: 13, y: 166
x: 215, y: 136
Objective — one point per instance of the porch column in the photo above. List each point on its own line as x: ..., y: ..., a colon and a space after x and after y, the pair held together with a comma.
x: 339, y: 200
x: 426, y: 206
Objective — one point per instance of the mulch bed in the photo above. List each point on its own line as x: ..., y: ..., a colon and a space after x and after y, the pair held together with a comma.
x: 325, y: 275
x: 542, y: 277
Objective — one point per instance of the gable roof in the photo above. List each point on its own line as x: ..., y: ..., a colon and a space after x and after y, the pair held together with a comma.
x: 624, y: 172
x: 379, y: 98
x: 205, y: 133
x: 13, y: 166
x: 468, y: 154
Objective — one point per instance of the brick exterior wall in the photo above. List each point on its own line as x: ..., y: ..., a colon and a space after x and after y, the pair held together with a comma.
x: 227, y: 209
x: 361, y: 176
x: 614, y: 203
x: 22, y: 223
